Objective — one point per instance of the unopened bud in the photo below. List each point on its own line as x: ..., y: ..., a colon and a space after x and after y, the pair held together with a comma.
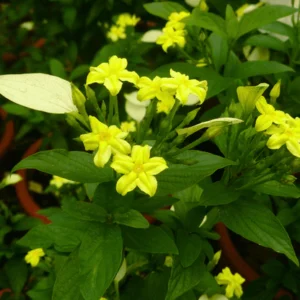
x: 203, y: 6
x: 275, y: 92
x: 77, y: 97
x: 288, y: 179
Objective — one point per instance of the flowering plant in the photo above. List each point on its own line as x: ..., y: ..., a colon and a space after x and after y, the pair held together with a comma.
x: 144, y: 225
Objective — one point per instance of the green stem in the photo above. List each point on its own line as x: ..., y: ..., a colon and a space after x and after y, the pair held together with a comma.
x: 80, y: 119
x: 186, y: 55
x: 116, y: 118
x: 110, y: 109
x: 116, y: 285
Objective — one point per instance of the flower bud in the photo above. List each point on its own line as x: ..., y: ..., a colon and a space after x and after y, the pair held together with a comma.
x: 77, y: 97
x: 275, y: 92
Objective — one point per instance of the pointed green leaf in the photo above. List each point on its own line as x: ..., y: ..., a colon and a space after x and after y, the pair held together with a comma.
x: 73, y: 165
x: 163, y: 9
x: 100, y: 257
x: 263, y: 16
x: 151, y: 240
x: 258, y: 224
x: 276, y: 188
x: 131, y: 218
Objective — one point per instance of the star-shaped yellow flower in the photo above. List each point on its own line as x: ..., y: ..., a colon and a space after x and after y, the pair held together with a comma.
x: 233, y: 282
x: 127, y: 20
x: 171, y: 37
x: 185, y: 87
x: 287, y: 133
x: 108, y: 141
x: 112, y: 74
x: 150, y: 89
x: 139, y: 170
x: 268, y: 115
x: 116, y: 32
x: 33, y: 257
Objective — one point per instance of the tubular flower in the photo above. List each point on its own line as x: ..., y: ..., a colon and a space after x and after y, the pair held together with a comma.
x: 233, y: 282
x: 171, y: 37
x: 268, y: 115
x: 112, y: 74
x: 287, y: 133
x: 185, y: 86
x: 127, y: 20
x: 108, y: 141
x: 33, y: 257
x: 139, y: 170
x: 59, y: 181
x: 116, y: 32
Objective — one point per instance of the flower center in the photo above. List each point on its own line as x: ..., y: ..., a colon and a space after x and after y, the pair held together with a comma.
x: 104, y: 136
x: 138, y: 168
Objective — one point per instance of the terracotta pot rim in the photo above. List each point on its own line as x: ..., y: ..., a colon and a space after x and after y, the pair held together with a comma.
x: 25, y: 198
x: 8, y: 135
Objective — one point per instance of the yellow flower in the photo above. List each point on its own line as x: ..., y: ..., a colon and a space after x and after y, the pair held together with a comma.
x: 128, y: 126
x: 171, y: 37
x: 178, y: 16
x: 59, y: 181
x: 268, y: 115
x: 150, y: 89
x: 201, y: 63
x: 112, y: 74
x: 287, y: 133
x: 33, y: 256
x: 127, y: 20
x: 116, y: 32
x: 233, y: 282
x: 185, y: 87
x: 108, y: 141
x: 139, y: 170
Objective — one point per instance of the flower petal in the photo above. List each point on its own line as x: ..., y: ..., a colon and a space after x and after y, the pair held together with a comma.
x: 103, y: 155
x: 126, y: 183
x: 276, y: 141
x: 113, y: 84
x: 90, y: 141
x: 122, y: 164
x: 147, y: 183
x: 140, y: 154
x: 120, y: 146
x: 263, y: 122
x: 97, y: 126
x: 294, y: 147
x: 155, y: 165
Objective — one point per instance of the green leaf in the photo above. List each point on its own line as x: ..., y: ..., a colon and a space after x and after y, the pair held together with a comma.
x: 263, y: 16
x: 16, y: 272
x: 281, y: 28
x: 79, y: 71
x: 100, y: 256
x: 144, y: 205
x: 189, y: 247
x: 163, y: 9
x: 131, y: 218
x: 42, y: 290
x: 184, y: 279
x: 208, y: 21
x: 191, y: 194
x: 85, y: 211
x: 219, y: 50
x: 156, y: 285
x: 150, y: 240
x: 232, y: 23
x: 218, y: 194
x: 266, y: 41
x: 215, y: 82
x: 107, y: 197
x: 258, y: 224
x: 69, y: 16
x: 73, y: 165
x: 255, y: 68
x: 276, y: 188
x: 57, y: 68
x: 198, y: 165
x: 68, y: 280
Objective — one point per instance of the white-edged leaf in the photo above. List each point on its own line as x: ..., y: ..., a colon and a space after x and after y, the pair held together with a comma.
x: 38, y: 91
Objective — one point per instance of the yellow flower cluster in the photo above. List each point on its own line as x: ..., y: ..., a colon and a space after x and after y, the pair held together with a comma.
x: 173, y: 32
x: 118, y: 31
x: 233, y: 282
x: 179, y: 86
x: 282, y: 128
